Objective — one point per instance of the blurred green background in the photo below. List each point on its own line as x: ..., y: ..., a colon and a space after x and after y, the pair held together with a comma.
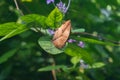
x: 26, y: 56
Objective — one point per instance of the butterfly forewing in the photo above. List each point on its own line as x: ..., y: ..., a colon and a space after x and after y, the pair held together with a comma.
x: 61, y: 35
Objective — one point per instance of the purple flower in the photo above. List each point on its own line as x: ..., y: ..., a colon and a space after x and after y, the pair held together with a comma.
x: 81, y: 44
x: 61, y: 6
x: 71, y: 40
x: 49, y: 1
x: 50, y: 31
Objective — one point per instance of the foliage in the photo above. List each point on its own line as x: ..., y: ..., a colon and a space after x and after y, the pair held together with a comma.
x: 27, y: 51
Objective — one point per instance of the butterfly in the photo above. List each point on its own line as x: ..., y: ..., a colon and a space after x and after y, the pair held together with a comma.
x: 61, y: 35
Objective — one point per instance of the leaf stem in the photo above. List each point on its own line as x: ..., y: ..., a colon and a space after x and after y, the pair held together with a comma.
x: 68, y: 4
x: 17, y: 7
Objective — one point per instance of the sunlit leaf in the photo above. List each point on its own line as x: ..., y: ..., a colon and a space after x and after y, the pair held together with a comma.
x: 26, y: 0
x: 54, y: 18
x: 11, y: 29
x: 33, y: 18
x: 75, y: 60
x: 7, y: 27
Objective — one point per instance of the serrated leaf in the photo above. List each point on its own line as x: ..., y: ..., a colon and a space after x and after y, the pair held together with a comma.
x: 74, y: 50
x: 33, y: 18
x: 49, y: 68
x: 47, y: 45
x: 54, y: 18
x: 7, y: 55
x: 16, y: 29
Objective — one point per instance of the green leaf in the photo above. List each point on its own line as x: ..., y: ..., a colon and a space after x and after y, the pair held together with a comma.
x: 11, y: 29
x: 74, y: 50
x: 75, y: 60
x: 33, y: 18
x: 78, y: 30
x: 7, y: 28
x: 94, y: 41
x: 7, y: 55
x: 54, y: 18
x: 97, y: 65
x: 47, y: 45
x: 26, y: 0
x: 49, y: 68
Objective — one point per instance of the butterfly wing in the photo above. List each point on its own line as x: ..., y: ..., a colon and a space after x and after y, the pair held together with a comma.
x: 59, y: 42
x: 57, y: 34
x: 61, y: 35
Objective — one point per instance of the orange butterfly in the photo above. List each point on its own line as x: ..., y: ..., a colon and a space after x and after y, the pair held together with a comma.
x: 61, y: 35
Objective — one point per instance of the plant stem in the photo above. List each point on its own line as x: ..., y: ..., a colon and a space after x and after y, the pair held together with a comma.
x: 17, y: 7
